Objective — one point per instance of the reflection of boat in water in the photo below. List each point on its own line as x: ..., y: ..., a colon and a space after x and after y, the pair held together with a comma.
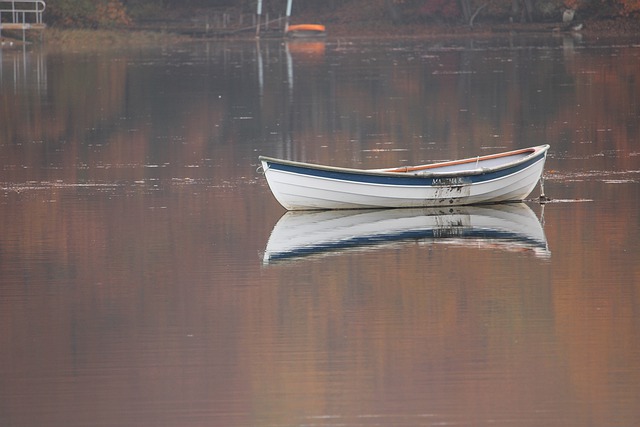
x: 511, y: 226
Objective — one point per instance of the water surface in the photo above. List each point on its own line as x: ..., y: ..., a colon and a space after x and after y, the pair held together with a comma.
x: 137, y: 286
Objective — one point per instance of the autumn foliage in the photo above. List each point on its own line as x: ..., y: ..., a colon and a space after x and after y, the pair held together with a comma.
x: 108, y: 13
x: 112, y: 12
x: 497, y: 10
x: 87, y: 13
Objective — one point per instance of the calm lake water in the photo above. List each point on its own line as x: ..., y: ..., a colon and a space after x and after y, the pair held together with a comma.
x: 149, y: 278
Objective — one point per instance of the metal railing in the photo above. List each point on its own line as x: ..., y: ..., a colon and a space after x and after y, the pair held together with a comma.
x: 21, y: 12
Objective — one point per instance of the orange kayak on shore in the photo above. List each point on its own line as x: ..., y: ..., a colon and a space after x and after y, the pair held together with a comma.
x: 306, y: 30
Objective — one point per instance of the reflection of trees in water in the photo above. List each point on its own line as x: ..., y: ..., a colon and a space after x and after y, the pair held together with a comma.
x: 54, y: 103
x: 22, y: 70
x: 23, y: 85
x: 165, y: 286
x: 331, y: 102
x: 463, y: 97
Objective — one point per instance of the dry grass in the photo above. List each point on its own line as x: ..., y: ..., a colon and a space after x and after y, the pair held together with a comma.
x: 87, y: 40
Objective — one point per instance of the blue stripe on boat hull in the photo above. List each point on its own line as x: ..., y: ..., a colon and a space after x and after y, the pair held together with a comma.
x: 438, y: 234
x: 402, y: 179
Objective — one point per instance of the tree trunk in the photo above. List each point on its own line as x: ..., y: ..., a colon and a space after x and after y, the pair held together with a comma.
x: 528, y: 8
x: 522, y: 10
x: 465, y: 7
x: 394, y: 13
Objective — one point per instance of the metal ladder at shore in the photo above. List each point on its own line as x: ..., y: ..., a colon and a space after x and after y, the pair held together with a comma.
x: 21, y: 15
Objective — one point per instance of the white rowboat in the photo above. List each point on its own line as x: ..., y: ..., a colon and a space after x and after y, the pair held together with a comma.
x: 503, y: 177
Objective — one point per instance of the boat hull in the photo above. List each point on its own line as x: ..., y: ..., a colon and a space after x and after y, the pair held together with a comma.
x: 510, y: 176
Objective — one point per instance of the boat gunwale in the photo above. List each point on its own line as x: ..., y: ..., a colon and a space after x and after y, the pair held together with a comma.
x: 417, y: 171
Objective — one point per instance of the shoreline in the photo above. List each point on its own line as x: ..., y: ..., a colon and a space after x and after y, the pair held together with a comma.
x: 139, y: 36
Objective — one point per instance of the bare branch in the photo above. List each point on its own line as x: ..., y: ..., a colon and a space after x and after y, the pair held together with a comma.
x: 476, y: 14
